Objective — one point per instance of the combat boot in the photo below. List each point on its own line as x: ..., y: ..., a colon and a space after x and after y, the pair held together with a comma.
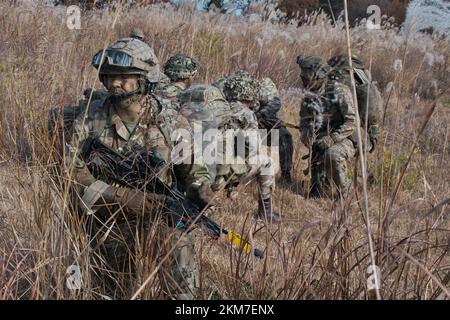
x: 315, y: 192
x: 265, y: 211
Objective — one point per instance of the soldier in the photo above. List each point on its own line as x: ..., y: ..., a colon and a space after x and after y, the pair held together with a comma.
x: 235, y: 118
x: 131, y: 118
x: 180, y: 69
x: 265, y: 109
x: 241, y: 91
x: 327, y: 123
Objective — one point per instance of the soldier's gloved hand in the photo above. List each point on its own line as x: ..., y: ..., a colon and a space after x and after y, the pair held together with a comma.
x: 132, y: 201
x: 205, y: 195
x: 202, y: 196
x: 324, y: 142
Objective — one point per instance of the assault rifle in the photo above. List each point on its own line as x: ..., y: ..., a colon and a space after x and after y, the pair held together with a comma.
x: 141, y: 171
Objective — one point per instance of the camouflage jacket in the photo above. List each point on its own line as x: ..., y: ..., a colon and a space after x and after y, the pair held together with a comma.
x: 156, y: 131
x: 331, y: 112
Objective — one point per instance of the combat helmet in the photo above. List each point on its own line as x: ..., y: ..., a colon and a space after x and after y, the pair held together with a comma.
x: 268, y: 89
x: 313, y: 69
x: 137, y: 34
x: 128, y: 56
x: 181, y: 67
x: 241, y: 87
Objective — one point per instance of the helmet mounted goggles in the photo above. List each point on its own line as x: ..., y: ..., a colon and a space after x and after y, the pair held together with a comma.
x: 120, y: 60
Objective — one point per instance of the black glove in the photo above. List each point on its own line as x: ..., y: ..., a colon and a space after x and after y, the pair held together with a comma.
x: 83, y: 176
x: 201, y: 196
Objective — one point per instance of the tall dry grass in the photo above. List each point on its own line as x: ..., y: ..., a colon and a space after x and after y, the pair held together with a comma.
x: 321, y: 251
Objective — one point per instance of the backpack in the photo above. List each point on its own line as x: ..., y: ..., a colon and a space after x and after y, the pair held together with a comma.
x: 212, y: 99
x: 367, y: 93
x: 370, y: 101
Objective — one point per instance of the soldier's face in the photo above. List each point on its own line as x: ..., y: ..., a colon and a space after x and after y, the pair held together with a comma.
x: 121, y: 83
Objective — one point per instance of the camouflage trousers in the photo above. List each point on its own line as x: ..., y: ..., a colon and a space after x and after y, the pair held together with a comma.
x: 132, y: 249
x: 230, y: 176
x: 286, y: 150
x: 335, y: 160
x: 285, y: 143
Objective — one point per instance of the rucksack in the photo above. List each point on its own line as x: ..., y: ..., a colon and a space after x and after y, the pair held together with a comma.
x: 370, y: 101
x: 212, y: 99
x: 367, y: 92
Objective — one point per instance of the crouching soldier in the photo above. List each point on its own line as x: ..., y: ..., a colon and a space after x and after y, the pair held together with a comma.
x: 327, y: 124
x: 269, y: 103
x: 266, y: 107
x: 130, y: 119
x: 232, y: 111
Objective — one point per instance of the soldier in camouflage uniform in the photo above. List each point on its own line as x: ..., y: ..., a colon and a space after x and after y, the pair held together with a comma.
x: 239, y: 118
x: 370, y: 101
x: 131, y: 118
x: 266, y: 108
x: 327, y: 122
x: 242, y: 90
